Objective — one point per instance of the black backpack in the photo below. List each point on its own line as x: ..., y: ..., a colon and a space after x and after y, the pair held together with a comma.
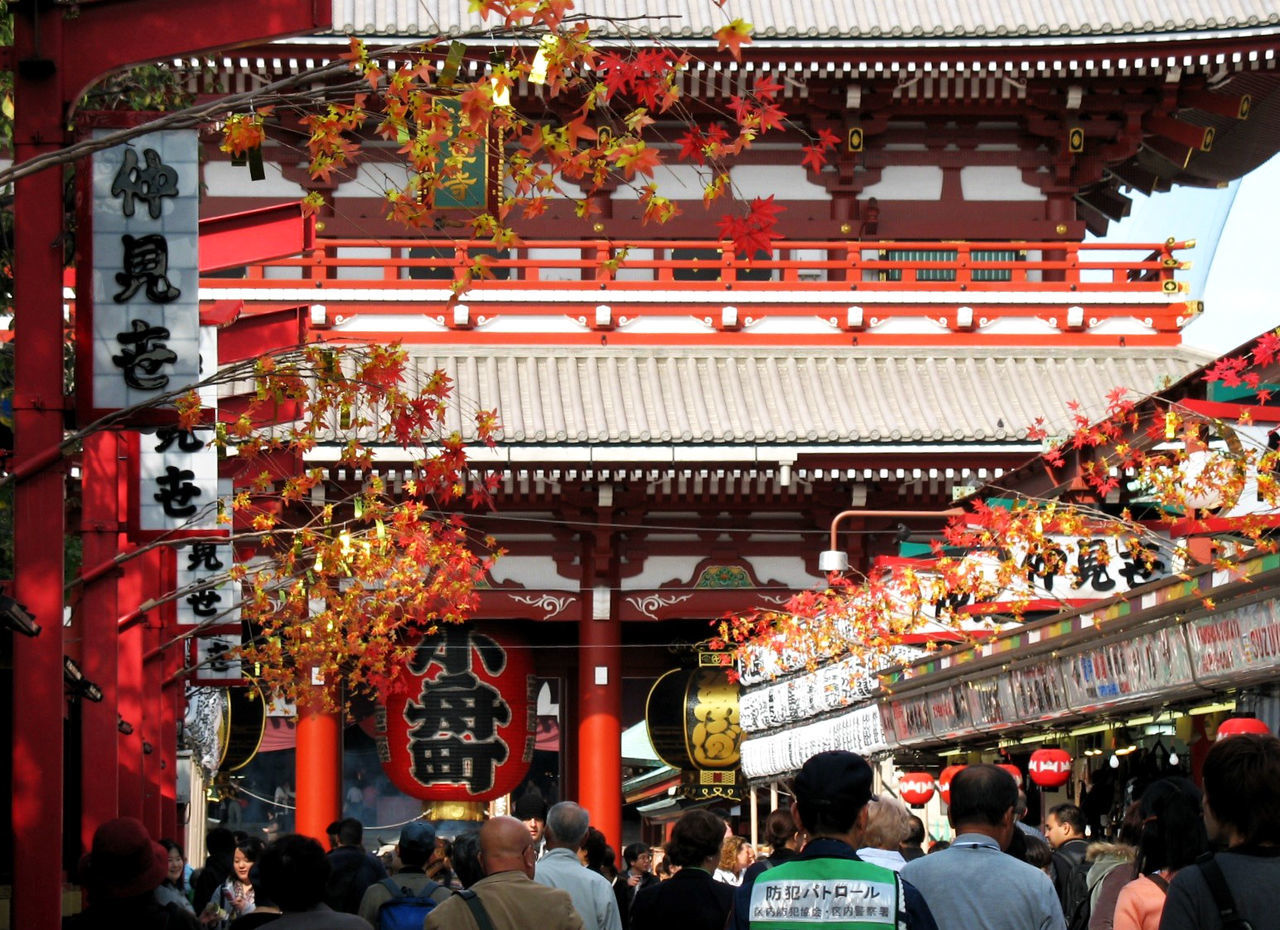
x: 1076, y: 906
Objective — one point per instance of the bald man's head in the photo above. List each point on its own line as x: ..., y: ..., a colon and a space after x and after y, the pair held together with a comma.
x: 505, y: 846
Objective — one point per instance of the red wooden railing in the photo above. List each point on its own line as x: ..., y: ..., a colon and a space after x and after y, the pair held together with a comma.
x: 705, y: 265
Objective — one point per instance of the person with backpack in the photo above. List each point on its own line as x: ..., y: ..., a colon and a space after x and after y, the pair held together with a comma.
x: 405, y: 899
x: 1173, y: 836
x: 1064, y: 829
x: 1238, y: 887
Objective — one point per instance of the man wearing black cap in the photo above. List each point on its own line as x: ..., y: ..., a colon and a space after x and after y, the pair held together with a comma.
x: 827, y: 882
x: 417, y: 842
x: 531, y: 810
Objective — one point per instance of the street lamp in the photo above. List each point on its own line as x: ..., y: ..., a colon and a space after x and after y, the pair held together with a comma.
x: 837, y: 560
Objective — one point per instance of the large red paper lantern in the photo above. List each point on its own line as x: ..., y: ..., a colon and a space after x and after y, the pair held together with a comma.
x: 460, y: 720
x: 916, y: 788
x: 1234, y: 726
x: 1012, y: 770
x: 1050, y: 768
x: 944, y: 781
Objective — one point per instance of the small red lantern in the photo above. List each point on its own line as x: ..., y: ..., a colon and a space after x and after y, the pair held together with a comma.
x: 1050, y: 768
x: 1012, y: 770
x: 1234, y: 726
x: 944, y: 781
x: 916, y: 788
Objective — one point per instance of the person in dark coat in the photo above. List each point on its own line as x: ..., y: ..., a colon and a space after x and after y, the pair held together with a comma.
x: 219, y: 866
x: 121, y: 875
x: 636, y: 875
x: 691, y: 899
x: 352, y: 868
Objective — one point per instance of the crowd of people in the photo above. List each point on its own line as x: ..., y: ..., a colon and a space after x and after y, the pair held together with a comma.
x: 1182, y: 860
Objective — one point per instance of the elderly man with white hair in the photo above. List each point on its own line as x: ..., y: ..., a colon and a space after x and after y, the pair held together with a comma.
x: 559, y: 867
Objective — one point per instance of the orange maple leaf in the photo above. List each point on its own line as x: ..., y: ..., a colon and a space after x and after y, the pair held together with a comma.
x: 733, y: 36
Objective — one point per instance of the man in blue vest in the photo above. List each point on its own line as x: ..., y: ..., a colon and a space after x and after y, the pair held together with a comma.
x: 826, y: 882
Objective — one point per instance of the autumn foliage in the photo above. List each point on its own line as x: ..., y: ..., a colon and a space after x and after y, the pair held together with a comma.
x: 1158, y: 486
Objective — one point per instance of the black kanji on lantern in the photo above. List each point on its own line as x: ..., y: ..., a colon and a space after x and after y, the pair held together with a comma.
x: 186, y: 439
x: 177, y: 489
x: 143, y: 354
x: 146, y: 263
x: 148, y: 184
x: 204, y: 556
x: 453, y: 732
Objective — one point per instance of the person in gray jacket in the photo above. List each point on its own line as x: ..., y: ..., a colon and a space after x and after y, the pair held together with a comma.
x: 559, y: 867
x: 973, y: 883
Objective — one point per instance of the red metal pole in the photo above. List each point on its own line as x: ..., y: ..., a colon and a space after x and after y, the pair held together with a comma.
x: 600, y: 724
x: 319, y: 772
x: 99, y: 607
x: 38, y: 759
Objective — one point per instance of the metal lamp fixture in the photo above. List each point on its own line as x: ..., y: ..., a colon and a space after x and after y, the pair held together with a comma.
x: 834, y: 559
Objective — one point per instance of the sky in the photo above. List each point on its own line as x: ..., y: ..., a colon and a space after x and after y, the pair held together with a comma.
x: 1234, y: 261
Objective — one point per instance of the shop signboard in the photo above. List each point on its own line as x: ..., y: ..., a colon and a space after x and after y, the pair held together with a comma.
x: 139, y: 327
x: 949, y: 711
x: 844, y: 683
x: 990, y: 703
x: 858, y: 730
x: 1235, y: 642
x: 1126, y: 670
x: 909, y: 719
x: 207, y: 593
x: 1038, y: 691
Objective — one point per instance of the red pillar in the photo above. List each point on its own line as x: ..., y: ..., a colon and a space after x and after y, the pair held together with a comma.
x: 599, y: 724
x: 152, y: 699
x: 129, y: 687
x: 173, y: 708
x: 319, y: 772
x: 99, y: 610
x: 39, y: 522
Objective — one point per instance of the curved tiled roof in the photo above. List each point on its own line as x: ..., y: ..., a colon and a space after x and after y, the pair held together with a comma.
x: 839, y: 19
x: 662, y: 396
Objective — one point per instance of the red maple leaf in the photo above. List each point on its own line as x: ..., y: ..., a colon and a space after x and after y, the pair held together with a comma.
x: 814, y: 157
x: 1267, y: 349
x: 766, y: 87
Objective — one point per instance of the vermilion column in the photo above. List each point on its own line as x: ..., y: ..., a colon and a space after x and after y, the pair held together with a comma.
x: 39, y: 523
x: 99, y: 610
x: 600, y: 719
x: 319, y: 771
x: 129, y: 688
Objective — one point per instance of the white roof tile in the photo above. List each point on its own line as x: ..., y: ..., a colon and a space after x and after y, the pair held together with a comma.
x: 665, y: 396
x: 831, y: 19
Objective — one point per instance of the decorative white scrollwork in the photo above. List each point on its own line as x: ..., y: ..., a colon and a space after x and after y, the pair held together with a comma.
x: 549, y: 603
x: 653, y: 602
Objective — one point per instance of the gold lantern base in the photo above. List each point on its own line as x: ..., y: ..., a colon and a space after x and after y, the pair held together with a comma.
x: 455, y: 810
